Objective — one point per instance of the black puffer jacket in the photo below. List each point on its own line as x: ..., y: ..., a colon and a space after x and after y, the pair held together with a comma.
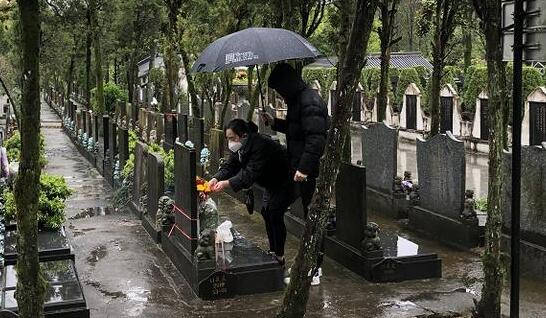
x: 260, y: 160
x: 306, y: 122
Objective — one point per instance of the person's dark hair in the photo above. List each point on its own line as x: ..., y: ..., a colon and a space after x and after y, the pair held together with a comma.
x: 241, y: 127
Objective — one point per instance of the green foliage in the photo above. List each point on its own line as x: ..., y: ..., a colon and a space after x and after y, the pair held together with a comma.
x: 325, y: 76
x: 13, y: 147
x: 133, y: 138
x: 406, y: 77
x: 475, y: 82
x: 531, y: 80
x: 53, y: 193
x: 129, y: 166
x: 481, y: 204
x: 168, y: 161
x: 112, y: 93
x: 370, y: 79
x: 157, y: 79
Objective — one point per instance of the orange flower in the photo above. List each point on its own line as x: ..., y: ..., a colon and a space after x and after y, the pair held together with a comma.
x: 202, y: 185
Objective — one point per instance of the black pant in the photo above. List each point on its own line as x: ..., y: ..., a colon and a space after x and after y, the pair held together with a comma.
x: 305, y: 191
x: 275, y: 204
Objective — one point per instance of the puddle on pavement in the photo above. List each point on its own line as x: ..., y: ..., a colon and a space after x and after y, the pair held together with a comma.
x: 91, y: 212
x: 97, y: 254
x: 114, y: 295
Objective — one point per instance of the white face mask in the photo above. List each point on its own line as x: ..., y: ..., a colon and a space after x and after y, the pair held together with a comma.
x: 234, y: 146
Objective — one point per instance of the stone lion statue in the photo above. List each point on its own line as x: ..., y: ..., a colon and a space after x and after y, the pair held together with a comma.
x: 164, y: 216
x: 371, y: 241
x: 205, y: 250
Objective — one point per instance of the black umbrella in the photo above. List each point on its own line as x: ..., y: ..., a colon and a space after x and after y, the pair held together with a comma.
x: 254, y: 46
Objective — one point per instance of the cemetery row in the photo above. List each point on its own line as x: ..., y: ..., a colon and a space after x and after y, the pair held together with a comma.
x: 474, y: 131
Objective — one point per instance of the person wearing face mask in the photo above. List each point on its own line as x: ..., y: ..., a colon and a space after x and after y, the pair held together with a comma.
x: 258, y: 159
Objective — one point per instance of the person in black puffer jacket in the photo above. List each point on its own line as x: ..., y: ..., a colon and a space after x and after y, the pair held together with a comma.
x: 306, y: 128
x: 257, y: 158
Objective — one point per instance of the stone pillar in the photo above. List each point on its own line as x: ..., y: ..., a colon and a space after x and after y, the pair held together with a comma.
x: 123, y: 138
x: 106, y: 134
x: 156, y: 183
x: 113, y: 140
x: 217, y: 148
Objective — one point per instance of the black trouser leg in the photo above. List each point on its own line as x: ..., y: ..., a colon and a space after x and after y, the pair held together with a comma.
x: 268, y: 229
x: 307, y: 189
x: 276, y: 229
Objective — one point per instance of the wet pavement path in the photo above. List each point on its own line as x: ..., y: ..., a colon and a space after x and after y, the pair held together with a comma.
x: 124, y: 274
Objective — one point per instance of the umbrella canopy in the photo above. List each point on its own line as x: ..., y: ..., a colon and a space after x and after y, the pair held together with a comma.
x: 254, y: 46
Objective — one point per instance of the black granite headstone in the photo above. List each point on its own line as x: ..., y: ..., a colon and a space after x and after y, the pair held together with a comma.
x: 351, y: 216
x: 218, y: 285
x: 123, y: 138
x: 112, y: 143
x: 139, y: 172
x: 83, y: 118
x: 96, y: 130
x: 197, y: 133
x: 171, y: 130
x: 159, y: 126
x: 182, y: 128
x: 379, y: 149
x: 442, y: 172
x: 186, y: 214
x: 106, y: 133
x: 216, y: 147
x: 156, y: 183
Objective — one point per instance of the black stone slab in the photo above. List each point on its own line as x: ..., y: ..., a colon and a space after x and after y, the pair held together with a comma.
x: 139, y: 173
x: 156, y: 188
x: 394, y: 205
x: 64, y: 295
x: 196, y: 133
x: 112, y: 143
x: 123, y: 138
x: 351, y: 204
x: 171, y: 130
x: 182, y: 128
x: 186, y: 215
x: 106, y: 134
x: 51, y: 245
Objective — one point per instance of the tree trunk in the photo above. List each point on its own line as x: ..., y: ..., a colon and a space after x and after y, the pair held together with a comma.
x: 437, y: 69
x: 255, y: 101
x: 388, y: 13
x: 99, y: 98
x: 149, y: 91
x: 228, y: 80
x: 191, y: 84
x: 88, y: 43
x: 297, y: 292
x: 116, y: 70
x: 31, y: 285
x: 467, y: 40
x: 490, y: 14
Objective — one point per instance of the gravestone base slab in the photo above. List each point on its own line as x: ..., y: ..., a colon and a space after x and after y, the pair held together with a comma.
x: 401, y: 258
x: 149, y: 226
x: 52, y: 245
x: 532, y: 257
x: 392, y: 205
x: 459, y: 234
x: 251, y: 271
x: 64, y: 295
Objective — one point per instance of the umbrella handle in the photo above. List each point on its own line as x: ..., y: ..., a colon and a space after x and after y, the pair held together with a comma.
x: 260, y: 88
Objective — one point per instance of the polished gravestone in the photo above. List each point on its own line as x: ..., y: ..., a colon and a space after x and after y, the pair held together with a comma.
x: 64, y: 296
x: 171, y: 131
x: 196, y: 133
x: 439, y: 214
x: 156, y: 187
x: 397, y: 260
x: 123, y: 138
x: 182, y: 121
x: 141, y: 151
x: 52, y: 245
x: 379, y: 156
x: 247, y: 269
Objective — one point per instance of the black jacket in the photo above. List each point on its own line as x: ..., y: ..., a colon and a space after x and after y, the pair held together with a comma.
x: 306, y: 127
x: 260, y: 160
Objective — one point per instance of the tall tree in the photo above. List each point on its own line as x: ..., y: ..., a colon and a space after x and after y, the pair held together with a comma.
x: 31, y: 286
x: 387, y: 9
x: 297, y: 292
x: 490, y: 14
x: 442, y: 16
x: 94, y: 8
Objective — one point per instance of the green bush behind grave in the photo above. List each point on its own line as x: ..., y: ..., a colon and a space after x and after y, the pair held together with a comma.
x: 475, y: 82
x: 168, y: 162
x: 325, y: 76
x: 112, y: 93
x: 53, y: 193
x: 405, y: 78
x: 13, y: 148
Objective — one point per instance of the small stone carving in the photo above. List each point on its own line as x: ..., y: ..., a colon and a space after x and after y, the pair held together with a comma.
x: 164, y: 216
x: 469, y: 211
x: 371, y: 241
x: 153, y: 137
x: 205, y: 250
x: 208, y: 214
x: 397, y: 185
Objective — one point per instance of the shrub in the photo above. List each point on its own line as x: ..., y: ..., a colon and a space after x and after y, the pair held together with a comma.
x: 13, y: 148
x: 325, y: 76
x: 168, y: 162
x: 475, y: 82
x: 406, y: 77
x: 112, y: 93
x: 53, y: 194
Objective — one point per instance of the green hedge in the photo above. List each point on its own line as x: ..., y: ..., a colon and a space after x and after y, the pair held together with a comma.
x: 406, y: 77
x: 325, y: 76
x: 475, y: 82
x: 13, y: 148
x: 112, y: 93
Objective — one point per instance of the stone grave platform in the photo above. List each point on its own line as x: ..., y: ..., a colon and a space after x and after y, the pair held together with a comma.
x: 401, y: 259
x: 248, y: 269
x: 52, y: 245
x: 64, y: 296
